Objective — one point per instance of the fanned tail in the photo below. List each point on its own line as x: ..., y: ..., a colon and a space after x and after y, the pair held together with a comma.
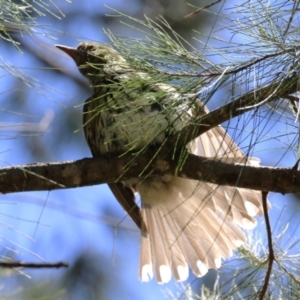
x: 195, y: 224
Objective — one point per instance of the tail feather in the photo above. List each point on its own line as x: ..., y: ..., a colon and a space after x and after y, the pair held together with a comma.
x: 179, y: 236
x: 173, y: 246
x: 146, y: 272
x: 200, y: 227
x: 238, y: 206
x: 159, y: 246
x: 216, y: 143
x: 195, y: 224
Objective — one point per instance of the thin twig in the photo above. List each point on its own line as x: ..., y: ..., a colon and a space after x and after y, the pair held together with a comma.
x: 287, y: 272
x: 232, y: 71
x: 20, y: 264
x: 295, y: 8
x: 271, y: 256
x: 192, y: 14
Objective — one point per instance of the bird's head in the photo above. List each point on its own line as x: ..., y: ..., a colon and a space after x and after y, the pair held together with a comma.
x: 93, y: 59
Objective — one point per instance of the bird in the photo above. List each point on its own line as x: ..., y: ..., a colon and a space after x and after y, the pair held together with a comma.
x: 185, y: 224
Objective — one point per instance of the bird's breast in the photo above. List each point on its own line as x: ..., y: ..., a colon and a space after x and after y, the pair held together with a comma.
x: 130, y: 126
x: 128, y: 115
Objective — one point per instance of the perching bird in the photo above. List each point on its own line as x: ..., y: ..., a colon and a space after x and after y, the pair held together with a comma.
x: 184, y: 223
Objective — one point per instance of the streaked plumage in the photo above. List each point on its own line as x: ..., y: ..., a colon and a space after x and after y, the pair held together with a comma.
x: 184, y: 223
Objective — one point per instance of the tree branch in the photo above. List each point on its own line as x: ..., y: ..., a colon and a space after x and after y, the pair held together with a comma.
x: 85, y: 172
x: 246, y: 102
x: 21, y: 264
x: 92, y: 171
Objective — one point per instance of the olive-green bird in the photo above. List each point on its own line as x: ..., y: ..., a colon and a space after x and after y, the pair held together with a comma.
x: 184, y: 223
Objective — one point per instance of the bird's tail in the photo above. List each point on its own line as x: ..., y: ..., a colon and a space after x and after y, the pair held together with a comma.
x: 194, y: 224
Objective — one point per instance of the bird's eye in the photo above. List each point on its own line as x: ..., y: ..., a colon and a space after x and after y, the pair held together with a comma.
x: 80, y: 48
x: 85, y: 47
x: 89, y: 48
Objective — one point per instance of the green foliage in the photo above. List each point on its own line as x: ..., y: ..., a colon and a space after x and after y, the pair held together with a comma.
x: 254, y: 58
x: 22, y: 18
x: 267, y: 52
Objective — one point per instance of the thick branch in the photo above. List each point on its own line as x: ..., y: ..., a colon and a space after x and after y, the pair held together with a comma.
x: 236, y: 108
x: 86, y: 172
x: 91, y: 171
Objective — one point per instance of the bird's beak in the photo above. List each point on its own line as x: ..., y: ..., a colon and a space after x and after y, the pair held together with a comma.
x: 73, y: 52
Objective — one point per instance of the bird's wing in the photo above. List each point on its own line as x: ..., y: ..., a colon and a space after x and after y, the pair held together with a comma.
x: 191, y: 223
x: 126, y: 198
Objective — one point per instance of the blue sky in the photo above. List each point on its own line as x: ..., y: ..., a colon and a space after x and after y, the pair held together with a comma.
x: 57, y: 225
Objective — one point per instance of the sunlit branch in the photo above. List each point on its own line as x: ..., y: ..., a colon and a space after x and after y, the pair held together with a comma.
x: 92, y: 171
x: 236, y: 108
